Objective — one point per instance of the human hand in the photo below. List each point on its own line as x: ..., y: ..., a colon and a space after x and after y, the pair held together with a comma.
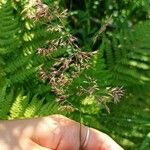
x: 54, y: 132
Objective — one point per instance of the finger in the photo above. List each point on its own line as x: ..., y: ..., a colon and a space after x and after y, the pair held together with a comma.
x: 29, y: 144
x: 47, y: 133
x: 101, y: 141
x: 73, y: 133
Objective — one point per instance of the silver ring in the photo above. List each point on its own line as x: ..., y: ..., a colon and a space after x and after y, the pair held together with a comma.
x: 87, y: 137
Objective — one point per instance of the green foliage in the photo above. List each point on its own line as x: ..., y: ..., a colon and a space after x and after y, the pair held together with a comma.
x: 18, y: 104
x: 126, y: 123
x: 145, y: 143
x: 89, y: 16
x: 41, y: 63
x: 5, y: 102
x: 120, y: 31
x: 29, y: 40
x: 43, y: 71
x: 127, y: 55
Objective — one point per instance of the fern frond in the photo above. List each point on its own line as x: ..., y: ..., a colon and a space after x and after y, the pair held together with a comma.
x: 33, y: 107
x: 19, y: 105
x: 127, y: 56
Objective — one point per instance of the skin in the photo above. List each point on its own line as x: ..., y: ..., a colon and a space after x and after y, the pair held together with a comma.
x: 54, y: 132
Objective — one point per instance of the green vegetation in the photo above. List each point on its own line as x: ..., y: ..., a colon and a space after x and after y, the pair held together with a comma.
x: 90, y: 63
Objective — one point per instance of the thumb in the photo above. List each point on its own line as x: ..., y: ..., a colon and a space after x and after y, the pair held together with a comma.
x: 101, y: 141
